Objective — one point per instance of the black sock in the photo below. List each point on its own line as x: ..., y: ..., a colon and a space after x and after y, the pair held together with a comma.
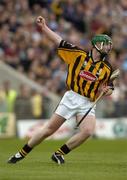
x: 25, y: 150
x: 63, y: 150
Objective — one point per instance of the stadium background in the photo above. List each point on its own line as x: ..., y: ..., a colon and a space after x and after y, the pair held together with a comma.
x: 32, y: 76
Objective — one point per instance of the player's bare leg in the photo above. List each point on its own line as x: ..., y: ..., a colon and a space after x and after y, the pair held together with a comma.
x: 55, y: 122
x: 86, y: 129
x: 52, y: 125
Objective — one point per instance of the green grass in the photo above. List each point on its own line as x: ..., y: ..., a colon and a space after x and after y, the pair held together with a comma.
x: 94, y: 160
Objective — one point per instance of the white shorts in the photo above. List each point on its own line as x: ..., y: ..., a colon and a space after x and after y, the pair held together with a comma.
x: 74, y: 104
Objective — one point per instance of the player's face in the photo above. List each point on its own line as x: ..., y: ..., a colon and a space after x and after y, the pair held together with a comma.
x: 107, y: 48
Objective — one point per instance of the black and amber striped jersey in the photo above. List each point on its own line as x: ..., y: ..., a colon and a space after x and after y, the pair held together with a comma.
x: 84, y: 75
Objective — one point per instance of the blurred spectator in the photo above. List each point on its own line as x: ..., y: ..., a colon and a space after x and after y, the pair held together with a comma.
x: 10, y: 95
x: 37, y: 105
x: 23, y: 108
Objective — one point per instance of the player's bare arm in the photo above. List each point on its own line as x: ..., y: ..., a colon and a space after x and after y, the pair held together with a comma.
x: 54, y: 37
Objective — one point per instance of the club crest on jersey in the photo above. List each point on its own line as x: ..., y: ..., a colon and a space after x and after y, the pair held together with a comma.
x: 88, y: 76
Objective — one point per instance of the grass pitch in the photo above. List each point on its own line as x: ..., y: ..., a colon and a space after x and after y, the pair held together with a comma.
x: 94, y: 160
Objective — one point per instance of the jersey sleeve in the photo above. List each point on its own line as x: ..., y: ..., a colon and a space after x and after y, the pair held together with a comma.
x: 68, y: 52
x: 111, y: 85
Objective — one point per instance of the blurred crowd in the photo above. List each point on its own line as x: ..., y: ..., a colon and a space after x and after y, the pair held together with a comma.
x: 26, y: 103
x: 26, y: 49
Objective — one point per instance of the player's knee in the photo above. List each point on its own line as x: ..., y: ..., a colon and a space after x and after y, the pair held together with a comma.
x: 87, y: 132
x: 48, y: 131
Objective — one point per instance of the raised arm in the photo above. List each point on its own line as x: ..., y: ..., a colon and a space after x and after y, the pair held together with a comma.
x: 54, y: 37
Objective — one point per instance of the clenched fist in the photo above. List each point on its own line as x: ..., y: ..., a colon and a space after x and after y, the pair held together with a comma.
x: 107, y: 90
x: 41, y: 22
x: 51, y: 35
